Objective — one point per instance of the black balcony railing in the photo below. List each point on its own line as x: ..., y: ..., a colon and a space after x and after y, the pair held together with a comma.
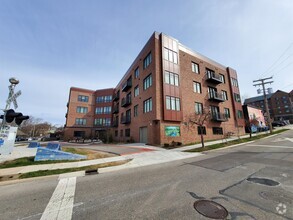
x: 125, y: 102
x: 214, y: 77
x: 116, y: 97
x: 220, y: 117
x: 216, y: 96
x: 125, y: 120
x: 115, y: 109
x: 127, y: 85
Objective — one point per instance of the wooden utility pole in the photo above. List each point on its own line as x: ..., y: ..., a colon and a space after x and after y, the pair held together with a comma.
x: 263, y: 83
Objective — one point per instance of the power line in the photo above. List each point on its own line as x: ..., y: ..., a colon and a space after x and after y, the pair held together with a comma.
x: 263, y: 74
x: 283, y: 68
x: 273, y: 69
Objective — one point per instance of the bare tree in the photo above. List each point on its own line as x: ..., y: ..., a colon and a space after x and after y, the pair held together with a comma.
x: 199, y: 119
x: 35, y: 126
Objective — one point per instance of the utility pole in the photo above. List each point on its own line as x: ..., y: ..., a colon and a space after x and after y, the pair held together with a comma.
x: 263, y: 83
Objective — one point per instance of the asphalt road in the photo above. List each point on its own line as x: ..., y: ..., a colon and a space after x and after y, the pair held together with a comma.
x: 168, y: 191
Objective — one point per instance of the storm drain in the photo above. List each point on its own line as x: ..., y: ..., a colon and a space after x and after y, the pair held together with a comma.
x: 210, y: 209
x: 263, y: 181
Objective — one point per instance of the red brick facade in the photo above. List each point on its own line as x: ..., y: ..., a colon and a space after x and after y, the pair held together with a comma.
x: 166, y: 97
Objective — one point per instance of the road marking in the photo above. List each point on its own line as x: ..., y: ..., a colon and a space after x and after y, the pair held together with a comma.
x: 61, y: 203
x: 283, y: 139
x: 272, y: 146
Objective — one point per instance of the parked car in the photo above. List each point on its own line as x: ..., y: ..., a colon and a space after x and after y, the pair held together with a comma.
x: 278, y: 123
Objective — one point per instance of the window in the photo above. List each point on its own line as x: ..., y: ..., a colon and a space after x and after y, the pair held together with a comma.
x: 170, y: 55
x: 147, y: 60
x: 107, y: 121
x: 201, y: 130
x: 80, y: 109
x: 224, y: 95
x: 198, y: 108
x: 99, y: 110
x: 172, y: 103
x: 121, y: 133
x: 239, y: 114
x: 82, y: 98
x: 116, y: 133
x: 108, y: 98
x: 135, y: 111
x: 234, y: 82
x: 222, y: 77
x: 147, y: 82
x: 127, y: 132
x: 128, y: 115
x: 217, y: 130
x: 237, y: 97
x: 171, y: 78
x: 136, y: 72
x: 107, y: 110
x: 227, y: 112
x: 100, y: 99
x: 210, y: 73
x: 136, y: 91
x: 79, y: 134
x: 147, y: 105
x: 80, y: 121
x: 194, y: 67
x: 196, y: 87
x: 98, y: 122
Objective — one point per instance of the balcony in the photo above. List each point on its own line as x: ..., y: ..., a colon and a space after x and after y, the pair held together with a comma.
x: 116, y: 109
x: 216, y: 97
x: 115, y: 123
x: 125, y: 120
x: 219, y: 117
x: 125, y: 102
x: 116, y: 96
x: 127, y: 85
x: 213, y: 77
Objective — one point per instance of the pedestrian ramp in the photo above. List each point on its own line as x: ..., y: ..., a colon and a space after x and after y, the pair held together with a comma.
x: 34, y: 145
x: 44, y: 154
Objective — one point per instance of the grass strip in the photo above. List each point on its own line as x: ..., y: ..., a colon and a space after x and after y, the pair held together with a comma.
x: 27, y: 161
x: 238, y: 141
x: 69, y: 170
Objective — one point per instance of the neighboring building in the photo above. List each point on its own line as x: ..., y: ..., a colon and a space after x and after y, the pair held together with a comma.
x: 163, y: 86
x: 89, y: 113
x: 254, y: 119
x: 280, y: 105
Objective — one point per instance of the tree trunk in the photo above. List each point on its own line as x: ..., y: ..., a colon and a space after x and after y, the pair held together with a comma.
x: 202, y: 142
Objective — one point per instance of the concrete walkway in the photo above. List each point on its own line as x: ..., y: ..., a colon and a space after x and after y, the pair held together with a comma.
x: 137, y: 160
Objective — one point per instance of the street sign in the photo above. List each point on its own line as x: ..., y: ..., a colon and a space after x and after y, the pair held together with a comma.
x: 13, y: 97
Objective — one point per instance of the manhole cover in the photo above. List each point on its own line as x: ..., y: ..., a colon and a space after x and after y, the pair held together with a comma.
x: 263, y: 181
x: 210, y: 209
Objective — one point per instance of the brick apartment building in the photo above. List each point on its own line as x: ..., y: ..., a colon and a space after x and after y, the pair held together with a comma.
x: 280, y: 105
x: 165, y: 84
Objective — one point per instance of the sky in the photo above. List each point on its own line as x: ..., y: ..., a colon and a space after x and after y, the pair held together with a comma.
x: 53, y: 45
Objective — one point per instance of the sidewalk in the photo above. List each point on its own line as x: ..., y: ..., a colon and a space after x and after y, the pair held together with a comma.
x: 142, y: 159
x: 157, y: 156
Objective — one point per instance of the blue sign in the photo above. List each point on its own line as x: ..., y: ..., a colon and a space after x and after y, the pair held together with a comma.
x: 1, y: 142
